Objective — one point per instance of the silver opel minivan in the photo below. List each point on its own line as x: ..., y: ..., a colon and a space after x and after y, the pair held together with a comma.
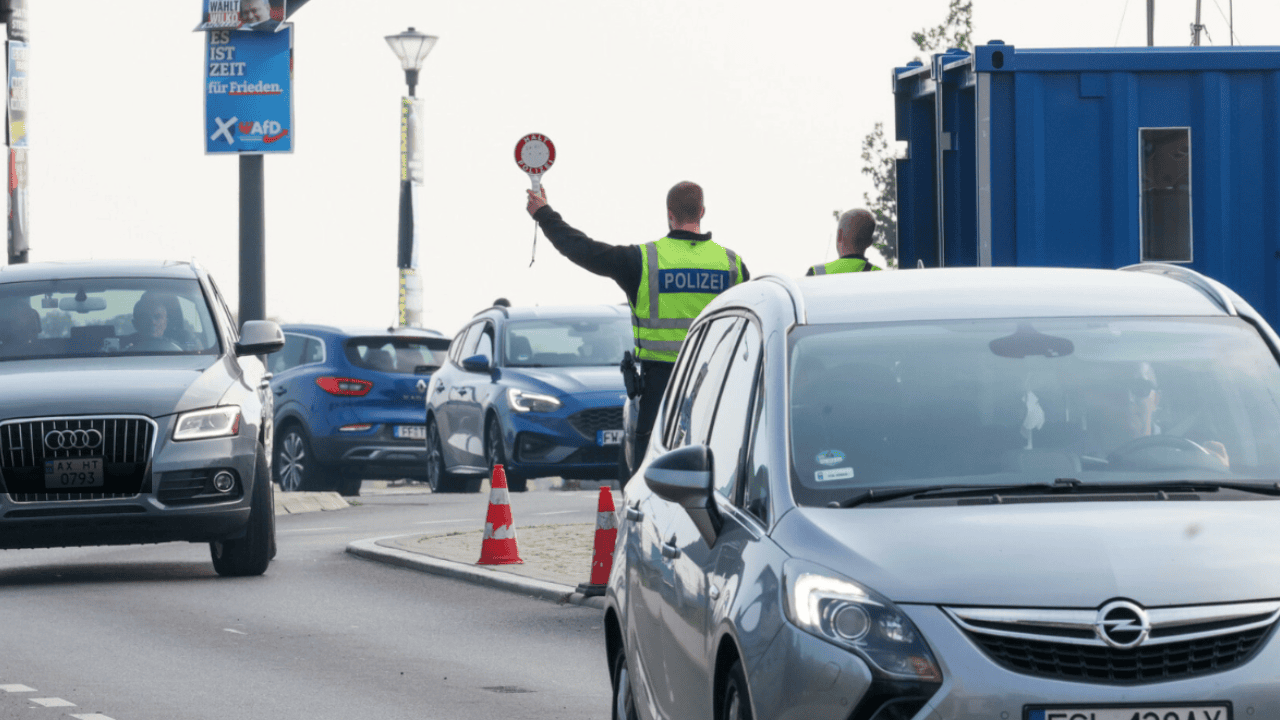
x: 953, y: 494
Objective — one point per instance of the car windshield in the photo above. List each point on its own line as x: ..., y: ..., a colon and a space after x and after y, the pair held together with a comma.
x: 104, y: 316
x: 1023, y: 401
x: 397, y: 354
x: 567, y: 342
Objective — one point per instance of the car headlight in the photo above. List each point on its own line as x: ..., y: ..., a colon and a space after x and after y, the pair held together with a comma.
x: 211, y: 423
x: 851, y: 616
x: 522, y: 401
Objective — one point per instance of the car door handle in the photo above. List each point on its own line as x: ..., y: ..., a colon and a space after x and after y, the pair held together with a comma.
x: 669, y: 549
x: 634, y: 515
x: 281, y: 391
x: 439, y: 386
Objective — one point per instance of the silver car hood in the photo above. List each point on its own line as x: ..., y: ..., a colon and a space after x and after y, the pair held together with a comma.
x: 153, y: 386
x: 1049, y: 555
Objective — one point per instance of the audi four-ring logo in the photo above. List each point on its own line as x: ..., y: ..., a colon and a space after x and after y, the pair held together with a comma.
x: 72, y: 439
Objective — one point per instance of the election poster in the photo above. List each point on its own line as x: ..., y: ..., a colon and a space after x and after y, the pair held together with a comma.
x: 248, y: 98
x: 16, y: 22
x: 251, y: 15
x: 16, y: 107
x: 19, y: 237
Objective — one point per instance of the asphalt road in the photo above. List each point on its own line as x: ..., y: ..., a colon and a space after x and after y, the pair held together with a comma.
x: 152, y: 633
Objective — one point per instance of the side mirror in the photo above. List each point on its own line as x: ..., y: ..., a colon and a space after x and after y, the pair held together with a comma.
x: 476, y: 363
x: 684, y: 477
x: 260, y: 337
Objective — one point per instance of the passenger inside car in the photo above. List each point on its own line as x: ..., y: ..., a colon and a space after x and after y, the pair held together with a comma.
x: 19, y: 330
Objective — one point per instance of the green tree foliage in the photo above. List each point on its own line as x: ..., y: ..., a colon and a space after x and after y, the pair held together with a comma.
x: 877, y: 157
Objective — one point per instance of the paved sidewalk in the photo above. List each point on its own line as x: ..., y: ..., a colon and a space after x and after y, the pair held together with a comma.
x: 289, y: 503
x: 557, y: 558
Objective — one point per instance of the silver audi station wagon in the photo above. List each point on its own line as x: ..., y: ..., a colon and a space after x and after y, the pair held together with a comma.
x: 952, y: 494
x: 131, y: 411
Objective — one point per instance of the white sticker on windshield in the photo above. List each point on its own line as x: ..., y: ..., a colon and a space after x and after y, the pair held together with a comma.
x: 837, y: 474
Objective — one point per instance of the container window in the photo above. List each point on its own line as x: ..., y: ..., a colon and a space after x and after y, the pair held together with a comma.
x: 1166, y: 194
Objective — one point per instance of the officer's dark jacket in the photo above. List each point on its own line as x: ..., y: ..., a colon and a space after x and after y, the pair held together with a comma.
x: 621, y: 263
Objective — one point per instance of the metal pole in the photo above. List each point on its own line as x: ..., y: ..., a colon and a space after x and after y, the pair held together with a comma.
x: 253, y: 301
x: 1151, y: 23
x: 1195, y: 33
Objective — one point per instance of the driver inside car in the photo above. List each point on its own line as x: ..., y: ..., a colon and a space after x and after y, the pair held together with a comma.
x: 1122, y: 407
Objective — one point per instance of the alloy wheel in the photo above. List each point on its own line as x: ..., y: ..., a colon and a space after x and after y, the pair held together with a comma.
x: 291, y: 462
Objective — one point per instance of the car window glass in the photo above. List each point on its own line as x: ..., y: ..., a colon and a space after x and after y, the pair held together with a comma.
x: 455, y: 350
x: 567, y: 342
x: 289, y: 356
x: 676, y: 385
x: 469, y: 342
x: 313, y: 352
x: 484, y: 344
x: 399, y: 354
x: 755, y: 496
x: 705, y: 380
x: 101, y: 316
x: 729, y: 426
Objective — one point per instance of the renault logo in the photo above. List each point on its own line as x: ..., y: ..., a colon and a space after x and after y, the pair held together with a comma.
x: 73, y: 439
x: 421, y: 386
x: 1122, y: 624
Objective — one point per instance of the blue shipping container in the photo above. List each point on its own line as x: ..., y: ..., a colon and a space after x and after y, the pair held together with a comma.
x: 1094, y: 158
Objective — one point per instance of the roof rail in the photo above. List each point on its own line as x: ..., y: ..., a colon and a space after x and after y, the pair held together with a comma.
x: 789, y: 284
x: 1190, y: 277
x: 501, y: 308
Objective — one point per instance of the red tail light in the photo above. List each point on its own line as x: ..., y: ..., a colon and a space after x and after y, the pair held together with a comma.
x: 344, y: 386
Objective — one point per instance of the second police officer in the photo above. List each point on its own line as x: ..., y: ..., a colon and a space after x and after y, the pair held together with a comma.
x: 667, y: 283
x: 854, y: 235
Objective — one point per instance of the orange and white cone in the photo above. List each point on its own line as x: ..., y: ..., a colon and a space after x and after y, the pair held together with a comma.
x: 499, y: 545
x: 606, y: 538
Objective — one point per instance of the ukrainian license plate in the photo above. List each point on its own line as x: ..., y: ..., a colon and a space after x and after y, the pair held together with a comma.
x: 608, y: 437
x: 1206, y: 711
x: 410, y: 432
x: 73, y: 474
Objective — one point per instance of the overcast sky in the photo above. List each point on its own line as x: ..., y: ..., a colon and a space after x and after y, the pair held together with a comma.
x: 763, y: 103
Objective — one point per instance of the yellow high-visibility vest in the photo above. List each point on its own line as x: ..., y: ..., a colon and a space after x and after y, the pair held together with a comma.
x: 844, y: 265
x: 679, y: 279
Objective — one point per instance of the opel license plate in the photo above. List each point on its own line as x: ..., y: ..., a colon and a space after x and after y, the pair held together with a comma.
x: 411, y: 432
x: 1204, y: 711
x: 73, y: 474
x: 608, y: 437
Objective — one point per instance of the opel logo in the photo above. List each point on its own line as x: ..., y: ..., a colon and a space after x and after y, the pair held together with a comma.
x: 72, y: 439
x: 1122, y: 624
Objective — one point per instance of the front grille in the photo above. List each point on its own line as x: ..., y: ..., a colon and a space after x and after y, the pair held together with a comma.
x: 1154, y: 663
x: 1182, y: 642
x: 124, y: 444
x: 589, y: 422
x: 593, y: 455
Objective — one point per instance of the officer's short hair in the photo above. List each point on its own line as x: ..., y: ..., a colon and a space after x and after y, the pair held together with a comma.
x: 684, y: 202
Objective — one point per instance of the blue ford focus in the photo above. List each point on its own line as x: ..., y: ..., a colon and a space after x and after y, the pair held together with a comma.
x: 534, y: 389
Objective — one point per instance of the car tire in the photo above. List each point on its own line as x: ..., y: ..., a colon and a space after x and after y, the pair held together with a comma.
x: 440, y: 480
x: 735, y: 703
x: 494, y: 454
x: 295, y: 467
x: 350, y: 486
x: 250, y: 554
x: 624, y: 703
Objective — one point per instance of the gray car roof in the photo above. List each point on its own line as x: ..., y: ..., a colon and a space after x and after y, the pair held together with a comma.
x: 992, y: 292
x: 23, y: 272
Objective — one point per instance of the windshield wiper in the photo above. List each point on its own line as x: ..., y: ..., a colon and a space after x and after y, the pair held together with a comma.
x: 1059, y: 486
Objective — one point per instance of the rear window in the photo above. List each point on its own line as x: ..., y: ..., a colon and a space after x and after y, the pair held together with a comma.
x: 397, y: 354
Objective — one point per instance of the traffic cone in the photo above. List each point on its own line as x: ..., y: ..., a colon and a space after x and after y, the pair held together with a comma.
x: 606, y: 538
x: 499, y: 545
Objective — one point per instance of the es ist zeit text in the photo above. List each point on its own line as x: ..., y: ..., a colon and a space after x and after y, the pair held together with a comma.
x: 222, y: 55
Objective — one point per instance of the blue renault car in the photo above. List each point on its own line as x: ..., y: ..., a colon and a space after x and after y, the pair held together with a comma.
x: 348, y: 405
x: 534, y: 389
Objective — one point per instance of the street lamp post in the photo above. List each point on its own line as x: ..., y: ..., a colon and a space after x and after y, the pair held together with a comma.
x: 411, y: 47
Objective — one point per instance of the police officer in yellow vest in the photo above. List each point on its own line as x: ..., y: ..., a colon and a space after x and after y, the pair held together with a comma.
x: 855, y: 234
x: 667, y: 282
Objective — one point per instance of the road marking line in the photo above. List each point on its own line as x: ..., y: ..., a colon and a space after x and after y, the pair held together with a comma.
x: 300, y: 530
x: 16, y: 688
x: 238, y: 632
x: 53, y: 702
x: 92, y: 716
